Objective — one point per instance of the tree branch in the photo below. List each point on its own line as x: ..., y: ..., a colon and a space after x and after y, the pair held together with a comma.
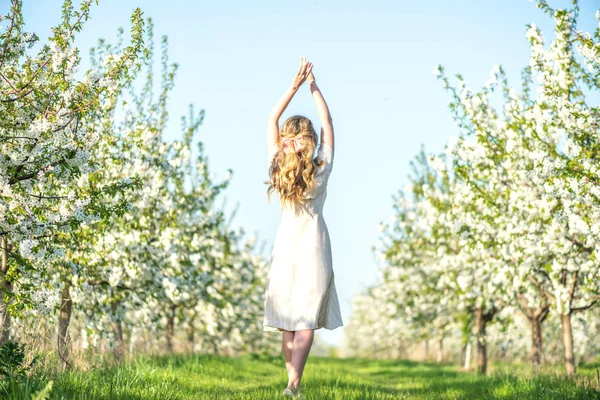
x: 590, y: 305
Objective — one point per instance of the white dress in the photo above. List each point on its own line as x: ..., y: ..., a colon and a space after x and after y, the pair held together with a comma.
x: 300, y: 291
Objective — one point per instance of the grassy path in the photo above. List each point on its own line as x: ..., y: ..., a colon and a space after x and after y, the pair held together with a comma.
x: 209, y: 377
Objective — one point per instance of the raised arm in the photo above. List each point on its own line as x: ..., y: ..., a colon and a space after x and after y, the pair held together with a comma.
x: 282, y: 103
x: 323, y: 111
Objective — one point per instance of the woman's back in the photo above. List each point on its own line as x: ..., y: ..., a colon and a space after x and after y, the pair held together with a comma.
x: 314, y: 199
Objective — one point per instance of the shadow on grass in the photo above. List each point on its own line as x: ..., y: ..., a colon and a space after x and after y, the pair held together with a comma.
x: 408, y: 373
x: 595, y: 366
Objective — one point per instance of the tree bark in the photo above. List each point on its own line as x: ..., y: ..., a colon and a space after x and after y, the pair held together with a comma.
x: 43, y: 337
x: 191, y: 333
x: 536, y: 344
x: 481, y: 345
x: 132, y: 339
x: 117, y: 328
x: 440, y: 350
x: 465, y: 328
x: 463, y: 353
x: 64, y: 318
x: 5, y: 287
x: 567, y: 334
x: 481, y: 320
x: 170, y: 328
x: 467, y: 363
x: 536, y: 317
x: 401, y: 349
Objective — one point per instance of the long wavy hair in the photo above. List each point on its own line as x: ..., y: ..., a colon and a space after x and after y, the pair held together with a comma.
x: 292, y: 172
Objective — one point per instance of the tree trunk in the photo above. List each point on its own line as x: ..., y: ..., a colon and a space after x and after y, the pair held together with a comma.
x: 64, y: 318
x: 466, y: 325
x: 190, y: 334
x: 147, y: 343
x: 117, y: 328
x: 43, y: 336
x: 463, y: 353
x: 401, y: 349
x: 440, y: 350
x: 567, y: 334
x: 481, y: 344
x: 426, y: 350
x: 5, y: 287
x: 536, y: 344
x: 170, y: 328
x: 133, y: 336
x: 481, y: 320
x: 536, y: 317
x: 468, y: 356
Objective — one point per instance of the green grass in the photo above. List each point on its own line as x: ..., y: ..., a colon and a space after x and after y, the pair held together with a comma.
x: 212, y: 377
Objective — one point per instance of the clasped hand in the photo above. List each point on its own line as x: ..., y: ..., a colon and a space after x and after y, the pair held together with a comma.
x: 304, y: 73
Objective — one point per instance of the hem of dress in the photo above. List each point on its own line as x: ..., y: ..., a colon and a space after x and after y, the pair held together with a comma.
x: 274, y: 328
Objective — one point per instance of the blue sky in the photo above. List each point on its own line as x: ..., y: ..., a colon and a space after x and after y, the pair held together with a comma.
x: 373, y: 61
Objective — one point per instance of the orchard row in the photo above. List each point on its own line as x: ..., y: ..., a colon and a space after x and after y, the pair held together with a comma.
x: 503, y: 227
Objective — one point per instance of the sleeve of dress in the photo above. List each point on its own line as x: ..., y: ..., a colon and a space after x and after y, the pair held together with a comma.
x: 325, y: 153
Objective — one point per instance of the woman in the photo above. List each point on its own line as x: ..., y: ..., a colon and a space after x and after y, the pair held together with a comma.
x: 300, y: 294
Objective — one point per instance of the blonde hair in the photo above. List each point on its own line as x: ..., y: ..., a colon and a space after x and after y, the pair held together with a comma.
x: 292, y: 173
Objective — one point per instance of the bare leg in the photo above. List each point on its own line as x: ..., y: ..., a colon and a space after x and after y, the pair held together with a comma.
x: 303, y: 340
x: 288, y: 345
